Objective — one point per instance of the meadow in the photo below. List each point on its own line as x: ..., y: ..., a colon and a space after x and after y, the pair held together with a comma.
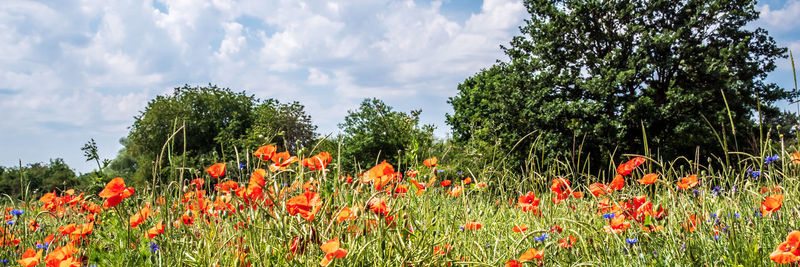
x: 274, y: 209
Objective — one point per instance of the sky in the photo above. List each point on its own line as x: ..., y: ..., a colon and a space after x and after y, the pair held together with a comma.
x: 79, y: 69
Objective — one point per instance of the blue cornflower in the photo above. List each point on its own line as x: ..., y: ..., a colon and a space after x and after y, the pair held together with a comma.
x: 755, y: 174
x: 459, y: 173
x: 441, y: 171
x: 609, y: 216
x: 696, y: 192
x: 737, y: 215
x: 713, y: 215
x: 43, y: 246
x: 462, y: 227
x: 716, y: 190
x: 17, y: 212
x: 4, y: 261
x: 631, y: 241
x: 11, y: 222
x: 541, y: 238
x: 716, y: 237
x: 241, y: 165
x: 770, y: 159
x: 153, y: 247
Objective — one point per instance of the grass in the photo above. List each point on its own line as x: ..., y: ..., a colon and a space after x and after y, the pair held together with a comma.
x: 427, y: 229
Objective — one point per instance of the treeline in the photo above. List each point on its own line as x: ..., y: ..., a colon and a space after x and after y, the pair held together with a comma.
x: 584, y: 83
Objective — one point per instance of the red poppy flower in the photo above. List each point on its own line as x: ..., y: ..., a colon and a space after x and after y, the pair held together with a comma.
x: 306, y: 204
x: 332, y: 250
x: 265, y: 153
x: 30, y: 258
x: 787, y: 252
x: 378, y: 206
x: 455, y: 191
x: 649, y: 178
x: 431, y: 162
x: 318, y: 162
x: 626, y: 168
x: 688, y: 182
x: 380, y: 175
x: 531, y: 254
x: 567, y: 242
x: 155, y: 230
x: 520, y: 228
x: 472, y: 225
x: 446, y: 182
x: 528, y: 202
x: 617, y: 225
x: 598, y: 189
x: 618, y: 183
x: 217, y: 170
x: 771, y: 204
x: 282, y: 160
x: 513, y: 263
x: 114, y: 192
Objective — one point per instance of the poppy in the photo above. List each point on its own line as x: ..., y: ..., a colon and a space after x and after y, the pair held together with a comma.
x: 442, y: 250
x: 513, y: 263
x: 567, y: 242
x: 446, y: 182
x: 531, y: 254
x: 346, y: 213
x: 626, y: 168
x: 528, y: 202
x: 155, y: 230
x: 520, y: 228
x: 688, y: 182
x: 379, y: 175
x: 227, y: 186
x: 332, y: 251
x: 431, y: 162
x: 114, y: 192
x: 787, y: 251
x: 691, y: 223
x: 795, y: 157
x: 318, y: 162
x: 468, y: 180
x: 770, y: 204
x: 649, y: 178
x: 480, y: 185
x: 472, y: 226
x: 282, y: 160
x: 217, y: 170
x: 139, y: 217
x: 30, y: 258
x: 599, y: 189
x: 455, y: 191
x: 618, y: 183
x: 617, y: 225
x: 306, y: 204
x: 378, y: 206
x: 265, y: 153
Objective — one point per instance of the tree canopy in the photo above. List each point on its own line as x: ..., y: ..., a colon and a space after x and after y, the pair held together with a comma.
x: 600, y: 73
x: 375, y: 129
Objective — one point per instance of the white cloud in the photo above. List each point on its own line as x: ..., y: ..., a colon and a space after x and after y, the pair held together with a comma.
x: 84, y: 68
x: 780, y: 19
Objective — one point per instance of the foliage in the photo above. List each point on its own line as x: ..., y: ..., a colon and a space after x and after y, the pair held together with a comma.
x: 595, y: 75
x: 218, y: 122
x: 38, y: 178
x: 375, y: 131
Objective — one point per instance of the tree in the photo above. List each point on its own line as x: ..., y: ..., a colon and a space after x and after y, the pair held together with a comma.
x: 604, y: 70
x: 374, y: 130
x: 219, y: 122
x: 39, y: 177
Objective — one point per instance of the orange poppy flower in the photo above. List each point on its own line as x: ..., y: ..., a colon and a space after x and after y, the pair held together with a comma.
x: 691, y: 223
x: 306, y: 204
x: 468, y: 180
x: 795, y: 157
x: 282, y: 160
x: 455, y: 191
x: 480, y: 185
x: 771, y: 204
x: 227, y: 186
x: 346, y: 213
x: 626, y: 168
x: 787, y: 252
x: 688, y: 182
x: 30, y: 258
x: 380, y: 175
x: 139, y: 217
x: 649, y: 178
x: 265, y: 153
x: 332, y: 251
x: 528, y: 202
x: 567, y: 242
x: 431, y: 162
x: 187, y: 219
x: 561, y: 188
x: 618, y: 183
x: 599, y: 189
x: 114, y: 192
x: 446, y: 182
x: 472, y: 225
x: 155, y: 230
x: 318, y: 162
x: 513, y: 263
x: 617, y: 225
x: 520, y: 228
x: 61, y: 256
x: 217, y: 170
x: 378, y: 206
x: 531, y: 254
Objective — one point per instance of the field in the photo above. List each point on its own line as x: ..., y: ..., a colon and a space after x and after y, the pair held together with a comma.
x: 278, y: 209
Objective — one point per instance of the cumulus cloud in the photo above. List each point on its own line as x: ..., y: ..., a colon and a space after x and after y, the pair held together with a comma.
x: 782, y: 18
x: 80, y: 69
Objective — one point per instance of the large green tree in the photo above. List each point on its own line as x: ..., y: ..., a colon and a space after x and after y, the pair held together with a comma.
x: 377, y: 132
x: 604, y: 70
x: 219, y: 122
x: 39, y: 178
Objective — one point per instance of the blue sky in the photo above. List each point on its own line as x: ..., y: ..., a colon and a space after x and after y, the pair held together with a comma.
x: 81, y: 69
